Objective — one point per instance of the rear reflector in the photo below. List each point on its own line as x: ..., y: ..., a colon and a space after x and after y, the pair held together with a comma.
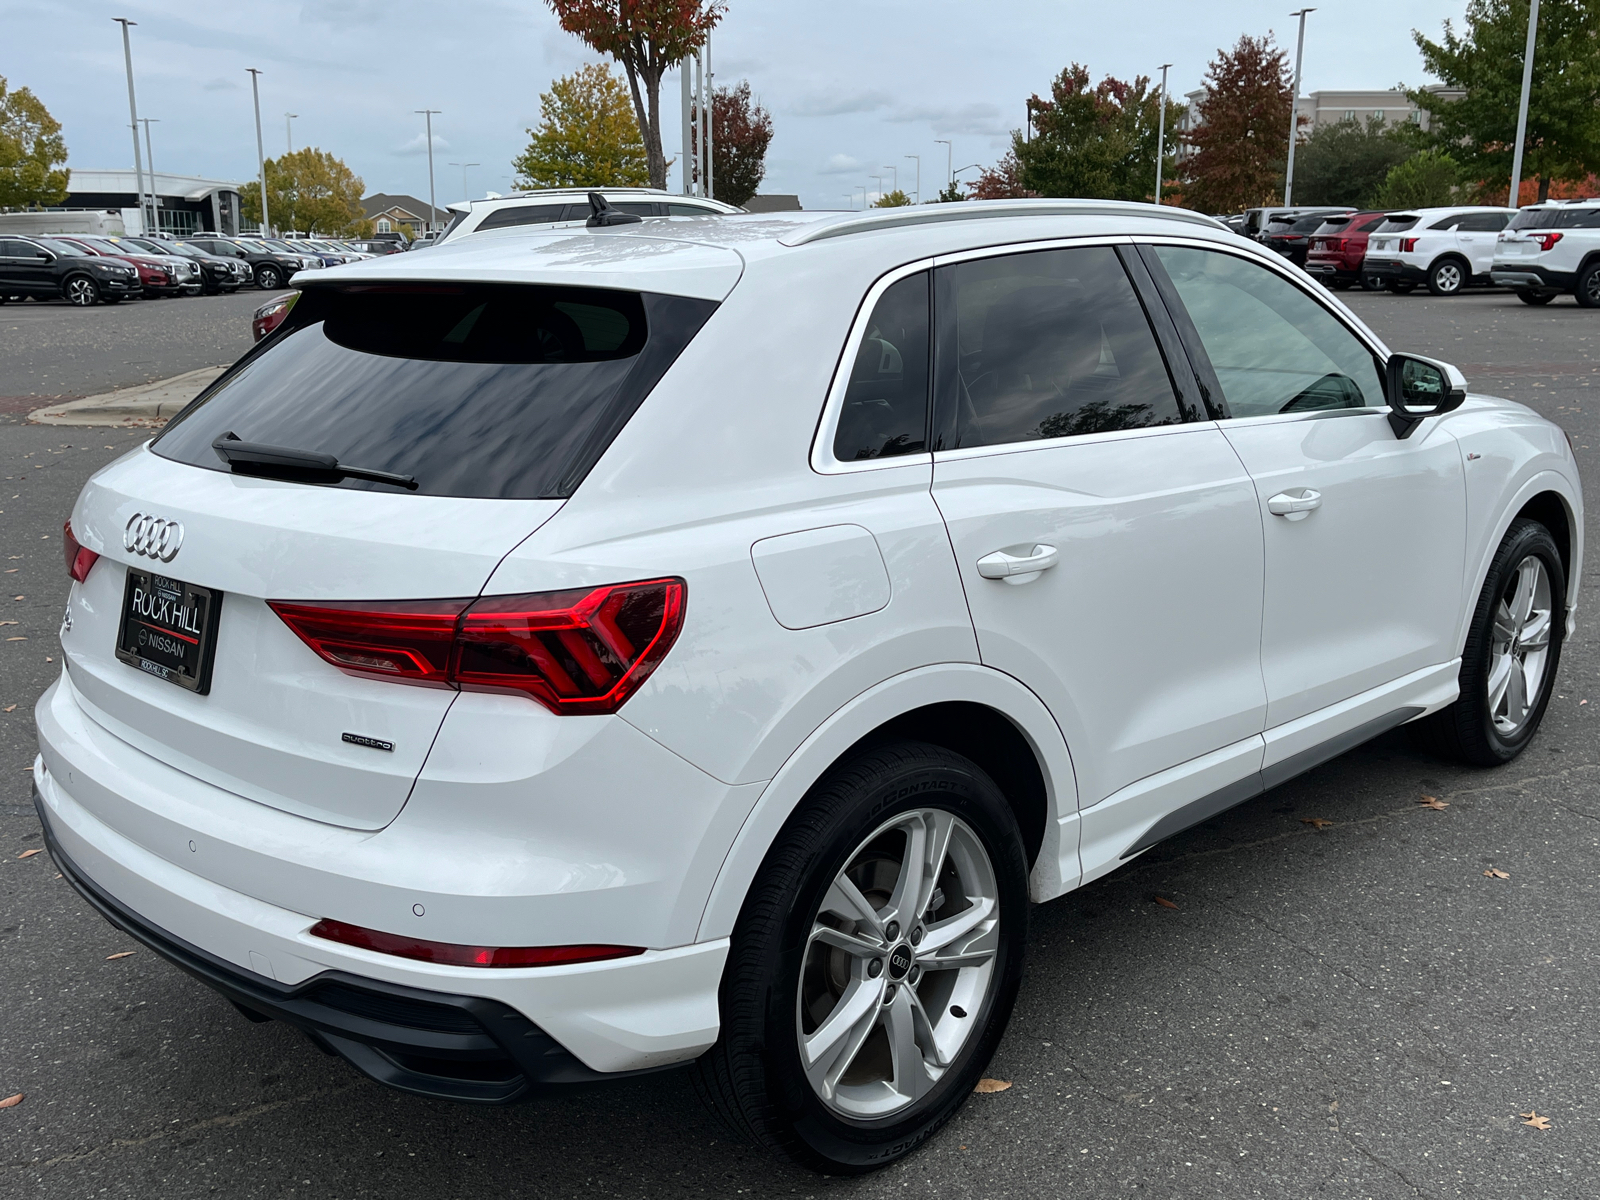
x: 79, y: 557
x: 453, y: 955
x: 580, y: 651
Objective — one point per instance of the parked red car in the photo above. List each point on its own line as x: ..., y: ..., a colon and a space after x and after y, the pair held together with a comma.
x: 1337, y: 248
x: 154, y: 278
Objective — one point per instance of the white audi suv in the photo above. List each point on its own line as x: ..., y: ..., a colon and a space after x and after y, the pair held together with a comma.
x: 587, y: 651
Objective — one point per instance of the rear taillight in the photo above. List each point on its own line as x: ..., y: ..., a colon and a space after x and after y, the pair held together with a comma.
x: 79, y: 557
x: 1407, y: 245
x: 580, y: 651
x: 466, y: 956
x: 1545, y: 240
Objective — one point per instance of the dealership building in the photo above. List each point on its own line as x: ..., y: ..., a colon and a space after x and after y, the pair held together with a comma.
x: 185, y: 204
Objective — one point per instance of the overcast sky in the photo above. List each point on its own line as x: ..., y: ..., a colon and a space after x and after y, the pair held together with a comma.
x: 852, y: 85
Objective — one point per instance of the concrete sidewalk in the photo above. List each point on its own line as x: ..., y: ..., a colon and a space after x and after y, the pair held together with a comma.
x: 149, y: 404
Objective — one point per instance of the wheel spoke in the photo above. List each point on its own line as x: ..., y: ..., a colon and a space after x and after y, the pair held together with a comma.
x: 1522, y: 598
x: 849, y: 943
x: 971, y: 952
x: 833, y: 1047
x: 938, y: 847
x: 911, y: 1078
x: 1516, y: 693
x: 909, y: 885
x: 1499, y: 678
x: 844, y: 899
x: 942, y: 933
x: 925, y: 1034
x: 1536, y: 633
x: 1505, y: 625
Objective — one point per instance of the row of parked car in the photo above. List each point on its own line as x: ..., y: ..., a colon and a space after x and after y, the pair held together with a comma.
x: 1540, y: 251
x: 86, y: 269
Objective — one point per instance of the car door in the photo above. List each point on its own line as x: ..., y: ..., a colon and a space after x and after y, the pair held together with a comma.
x: 1364, y: 531
x: 1105, y: 531
x: 11, y: 253
x: 32, y: 270
x: 1477, y: 235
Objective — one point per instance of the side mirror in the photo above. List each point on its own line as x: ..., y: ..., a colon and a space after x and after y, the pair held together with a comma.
x: 1419, y: 388
x: 43, y: 256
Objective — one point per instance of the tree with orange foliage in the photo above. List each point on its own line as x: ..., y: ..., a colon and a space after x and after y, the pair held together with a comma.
x: 647, y: 37
x: 1242, y: 141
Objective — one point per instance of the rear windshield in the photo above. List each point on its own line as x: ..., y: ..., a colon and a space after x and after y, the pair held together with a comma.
x: 1396, y: 223
x: 497, y: 391
x: 1534, y: 218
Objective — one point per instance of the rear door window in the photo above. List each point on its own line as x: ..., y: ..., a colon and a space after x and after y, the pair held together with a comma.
x: 1046, y: 344
x: 1483, y: 222
x: 1579, y: 218
x: 498, y: 391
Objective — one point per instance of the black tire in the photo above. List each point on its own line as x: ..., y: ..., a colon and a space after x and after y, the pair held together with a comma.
x: 110, y: 299
x: 753, y: 1077
x: 1373, y: 283
x: 80, y: 291
x: 268, y: 278
x: 1339, y: 285
x: 1588, y: 289
x: 1530, y: 296
x: 1448, y: 276
x: 1467, y: 730
x: 1402, y: 287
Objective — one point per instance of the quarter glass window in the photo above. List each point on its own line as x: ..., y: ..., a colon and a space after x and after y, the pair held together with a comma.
x: 885, y: 409
x: 1049, y: 344
x: 1274, y: 348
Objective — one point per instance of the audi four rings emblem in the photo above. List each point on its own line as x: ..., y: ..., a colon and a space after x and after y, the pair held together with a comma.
x: 153, y: 537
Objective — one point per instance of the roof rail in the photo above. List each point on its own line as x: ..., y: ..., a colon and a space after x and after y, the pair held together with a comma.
x: 974, y: 210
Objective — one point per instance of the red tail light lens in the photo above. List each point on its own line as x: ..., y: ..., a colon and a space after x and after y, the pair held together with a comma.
x: 580, y: 651
x: 1545, y: 240
x: 79, y: 557
x: 1407, y: 245
x: 467, y: 956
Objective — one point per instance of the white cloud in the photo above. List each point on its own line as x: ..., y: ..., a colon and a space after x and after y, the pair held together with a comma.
x: 222, y: 85
x: 834, y: 104
x: 841, y: 164
x: 419, y: 145
x: 981, y: 120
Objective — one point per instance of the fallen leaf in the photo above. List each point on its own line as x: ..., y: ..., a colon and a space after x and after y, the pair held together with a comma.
x: 1433, y: 802
x: 16, y: 639
x: 11, y: 1101
x: 30, y: 853
x: 986, y: 1086
x: 19, y: 597
x: 1534, y: 1119
x: 124, y: 954
x: 7, y: 622
x: 9, y: 708
x: 1165, y: 903
x: 1315, y: 822
x: 1496, y: 873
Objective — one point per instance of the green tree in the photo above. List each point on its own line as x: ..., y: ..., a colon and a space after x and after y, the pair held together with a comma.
x: 1095, y: 141
x: 952, y: 194
x: 1242, y: 141
x: 587, y: 135
x: 31, y: 151
x: 646, y: 37
x: 1428, y: 179
x: 309, y: 191
x: 1003, y: 181
x: 1485, y: 61
x: 1347, y: 162
x: 894, y: 199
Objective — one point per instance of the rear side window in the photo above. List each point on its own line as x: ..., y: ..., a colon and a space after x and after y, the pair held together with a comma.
x: 1483, y: 222
x: 1046, y: 344
x: 523, y: 214
x: 495, y: 391
x: 1450, y: 222
x: 1579, y: 218
x: 885, y: 409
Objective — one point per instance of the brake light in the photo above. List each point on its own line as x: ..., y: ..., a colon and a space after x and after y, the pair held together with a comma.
x: 466, y: 956
x: 1545, y: 240
x: 581, y: 651
x: 1407, y: 245
x: 79, y: 557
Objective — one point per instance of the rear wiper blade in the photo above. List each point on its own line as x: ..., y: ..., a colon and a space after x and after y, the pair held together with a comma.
x: 261, y: 456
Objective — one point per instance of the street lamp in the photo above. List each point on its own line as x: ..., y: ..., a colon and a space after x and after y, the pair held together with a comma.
x: 261, y: 154
x: 949, y: 150
x: 878, y: 179
x: 465, y: 195
x: 288, y: 132
x: 133, y: 117
x: 428, y: 115
x: 894, y: 177
x: 1161, y: 135
x: 149, y: 154
x: 1294, y: 107
x: 1522, y: 107
x: 918, y: 159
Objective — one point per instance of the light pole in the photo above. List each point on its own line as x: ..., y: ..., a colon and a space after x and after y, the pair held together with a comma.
x: 1161, y: 134
x: 686, y: 103
x: 1522, y: 108
x: 949, y: 151
x: 465, y: 195
x: 261, y: 154
x: 428, y: 115
x: 863, y: 188
x: 894, y: 177
x: 133, y: 117
x: 1294, y: 107
x: 149, y: 154
x: 288, y: 132
x: 918, y: 159
x: 877, y: 179
x: 711, y: 133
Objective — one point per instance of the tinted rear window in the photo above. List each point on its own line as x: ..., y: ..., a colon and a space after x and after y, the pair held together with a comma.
x: 523, y: 214
x: 1396, y: 224
x: 496, y: 391
x: 1534, y: 218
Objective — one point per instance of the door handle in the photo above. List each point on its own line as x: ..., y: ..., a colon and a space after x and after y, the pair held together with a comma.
x: 1296, y: 504
x: 1018, y: 568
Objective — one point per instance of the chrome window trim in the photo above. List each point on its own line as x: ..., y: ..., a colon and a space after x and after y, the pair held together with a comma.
x: 1077, y: 439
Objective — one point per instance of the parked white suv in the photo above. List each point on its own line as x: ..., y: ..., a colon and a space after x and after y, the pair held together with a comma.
x: 572, y: 204
x: 1444, y: 248
x: 578, y: 652
x: 1552, y: 248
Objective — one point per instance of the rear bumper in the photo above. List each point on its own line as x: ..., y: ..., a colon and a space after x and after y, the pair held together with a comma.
x: 448, y: 1047
x: 1326, y: 269
x: 1530, y: 275
x: 1393, y: 269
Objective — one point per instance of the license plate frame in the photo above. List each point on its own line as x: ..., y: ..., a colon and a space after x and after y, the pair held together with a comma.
x: 168, y: 628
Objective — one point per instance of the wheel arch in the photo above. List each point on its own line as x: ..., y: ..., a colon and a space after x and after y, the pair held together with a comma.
x: 973, y: 710
x: 1457, y: 256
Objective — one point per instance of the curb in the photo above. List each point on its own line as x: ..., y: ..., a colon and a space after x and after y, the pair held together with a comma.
x: 147, y: 404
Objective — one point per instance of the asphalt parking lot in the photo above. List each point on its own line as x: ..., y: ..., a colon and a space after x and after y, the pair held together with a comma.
x: 1351, y: 1008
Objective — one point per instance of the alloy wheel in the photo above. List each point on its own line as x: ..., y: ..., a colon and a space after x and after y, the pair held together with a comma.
x: 1520, y: 649
x: 81, y: 292
x: 899, y: 964
x: 1591, y: 289
x: 1447, y: 278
